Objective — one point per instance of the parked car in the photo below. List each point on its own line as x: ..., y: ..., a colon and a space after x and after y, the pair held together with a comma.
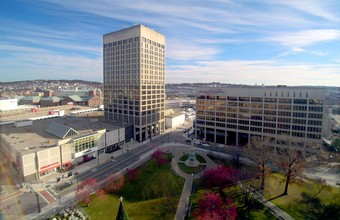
x: 188, y: 140
x: 206, y: 144
x: 221, y: 145
x: 64, y: 185
x: 197, y: 141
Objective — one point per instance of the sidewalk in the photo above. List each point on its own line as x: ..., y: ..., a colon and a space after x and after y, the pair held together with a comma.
x: 279, y: 213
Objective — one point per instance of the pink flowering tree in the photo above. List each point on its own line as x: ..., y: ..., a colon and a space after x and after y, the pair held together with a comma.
x: 212, y: 207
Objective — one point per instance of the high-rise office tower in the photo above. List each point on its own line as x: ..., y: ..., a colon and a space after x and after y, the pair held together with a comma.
x: 134, y: 71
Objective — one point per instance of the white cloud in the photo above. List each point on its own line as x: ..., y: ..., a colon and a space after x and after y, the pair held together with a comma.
x: 184, y: 50
x: 319, y: 8
x: 306, y: 38
x: 31, y: 63
x: 256, y: 72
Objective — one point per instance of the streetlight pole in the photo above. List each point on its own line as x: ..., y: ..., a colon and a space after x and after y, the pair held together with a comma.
x: 36, y: 194
x: 98, y: 156
x: 76, y: 173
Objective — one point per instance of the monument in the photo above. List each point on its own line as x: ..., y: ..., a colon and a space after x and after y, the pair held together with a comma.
x: 192, y: 160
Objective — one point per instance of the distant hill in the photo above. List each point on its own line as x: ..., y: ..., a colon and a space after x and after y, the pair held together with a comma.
x: 51, y: 81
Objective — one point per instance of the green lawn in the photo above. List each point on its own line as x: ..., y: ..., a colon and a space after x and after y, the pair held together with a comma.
x: 107, y: 208
x: 154, y: 195
x: 291, y: 202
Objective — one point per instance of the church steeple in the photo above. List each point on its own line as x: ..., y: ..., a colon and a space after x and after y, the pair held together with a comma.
x: 121, y: 215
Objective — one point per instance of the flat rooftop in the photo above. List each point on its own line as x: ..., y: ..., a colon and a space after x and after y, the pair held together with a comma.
x: 174, y: 115
x: 34, y: 138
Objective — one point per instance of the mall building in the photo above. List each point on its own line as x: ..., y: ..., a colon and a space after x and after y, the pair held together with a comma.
x: 233, y: 115
x: 37, y: 148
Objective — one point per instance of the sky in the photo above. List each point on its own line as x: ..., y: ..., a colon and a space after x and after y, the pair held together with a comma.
x: 270, y: 42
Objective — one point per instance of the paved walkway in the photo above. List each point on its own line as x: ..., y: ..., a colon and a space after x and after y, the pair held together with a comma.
x: 279, y: 213
x: 179, y: 151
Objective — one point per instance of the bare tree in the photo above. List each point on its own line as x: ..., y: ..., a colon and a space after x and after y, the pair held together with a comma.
x: 291, y: 162
x: 321, y: 184
x: 260, y: 150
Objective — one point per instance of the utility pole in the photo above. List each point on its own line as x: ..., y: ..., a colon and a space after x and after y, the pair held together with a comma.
x: 76, y: 173
x: 36, y: 194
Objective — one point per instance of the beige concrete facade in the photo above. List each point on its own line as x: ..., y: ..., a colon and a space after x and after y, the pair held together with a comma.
x: 134, y: 74
x: 233, y: 115
x: 34, y: 152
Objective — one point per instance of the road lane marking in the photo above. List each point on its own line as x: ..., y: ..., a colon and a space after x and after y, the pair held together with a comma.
x: 53, y: 191
x: 51, y: 195
x: 10, y: 196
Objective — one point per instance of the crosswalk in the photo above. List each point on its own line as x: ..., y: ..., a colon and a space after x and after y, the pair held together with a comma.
x: 47, y: 196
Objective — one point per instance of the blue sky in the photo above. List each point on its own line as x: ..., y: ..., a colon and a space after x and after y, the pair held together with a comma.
x: 292, y: 42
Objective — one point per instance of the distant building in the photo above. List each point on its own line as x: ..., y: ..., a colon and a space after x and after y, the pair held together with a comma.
x: 30, y: 100
x: 75, y: 99
x: 78, y: 92
x: 8, y: 104
x: 49, y: 101
x: 233, y: 115
x: 48, y: 93
x: 134, y: 74
x: 93, y: 100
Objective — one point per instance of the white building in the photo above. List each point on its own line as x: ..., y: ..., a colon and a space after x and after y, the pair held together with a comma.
x: 233, y: 115
x: 174, y: 120
x: 8, y: 104
x: 134, y: 71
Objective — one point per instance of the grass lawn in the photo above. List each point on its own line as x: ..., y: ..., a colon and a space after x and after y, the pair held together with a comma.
x: 154, y: 195
x: 291, y: 202
x: 107, y: 208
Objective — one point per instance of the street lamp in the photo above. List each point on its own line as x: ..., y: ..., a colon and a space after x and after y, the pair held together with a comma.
x: 36, y: 194
x: 76, y: 174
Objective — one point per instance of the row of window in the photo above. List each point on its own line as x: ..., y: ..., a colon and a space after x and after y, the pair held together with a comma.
x: 260, y: 118
x: 85, y: 143
x: 265, y: 112
x: 265, y: 130
x: 261, y: 124
x: 261, y: 99
x: 221, y: 107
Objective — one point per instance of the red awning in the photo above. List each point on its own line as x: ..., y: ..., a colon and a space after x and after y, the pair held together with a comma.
x: 49, y: 167
x: 66, y: 162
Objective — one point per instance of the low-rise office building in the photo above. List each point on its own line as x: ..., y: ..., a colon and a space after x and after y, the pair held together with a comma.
x: 233, y: 115
x: 174, y: 120
x: 41, y: 147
